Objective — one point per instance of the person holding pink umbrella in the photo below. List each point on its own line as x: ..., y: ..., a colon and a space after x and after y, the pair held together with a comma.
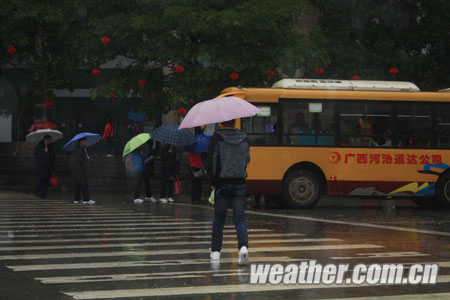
x: 227, y: 160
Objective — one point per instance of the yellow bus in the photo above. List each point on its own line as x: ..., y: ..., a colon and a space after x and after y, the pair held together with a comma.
x: 345, y: 137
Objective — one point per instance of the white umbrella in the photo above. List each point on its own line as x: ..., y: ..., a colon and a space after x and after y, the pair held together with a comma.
x: 38, y: 135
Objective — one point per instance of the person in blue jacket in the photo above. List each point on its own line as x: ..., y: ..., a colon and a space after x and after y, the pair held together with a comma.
x: 142, y: 174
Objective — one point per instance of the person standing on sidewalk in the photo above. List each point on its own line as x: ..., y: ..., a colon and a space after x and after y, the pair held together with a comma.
x: 168, y: 172
x: 142, y: 173
x: 227, y: 160
x: 196, y: 168
x: 44, y: 159
x: 79, y: 163
x: 108, y: 135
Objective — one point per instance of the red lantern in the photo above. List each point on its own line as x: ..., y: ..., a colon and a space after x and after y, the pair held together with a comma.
x: 179, y: 69
x: 96, y: 72
x: 142, y: 82
x: 48, y: 103
x: 393, y: 71
x: 112, y: 96
x: 234, y: 76
x: 105, y: 40
x: 12, y: 50
x: 270, y: 74
x: 181, y: 111
x: 320, y: 71
x: 356, y: 77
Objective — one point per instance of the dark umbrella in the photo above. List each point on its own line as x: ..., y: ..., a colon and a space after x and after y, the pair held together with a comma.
x: 169, y: 134
x: 137, y: 117
x: 201, y: 144
x: 92, y: 139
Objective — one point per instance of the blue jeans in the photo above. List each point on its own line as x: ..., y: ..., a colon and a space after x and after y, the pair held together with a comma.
x: 235, y: 197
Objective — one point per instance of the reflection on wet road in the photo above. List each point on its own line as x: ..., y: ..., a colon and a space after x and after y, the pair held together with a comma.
x: 119, y: 250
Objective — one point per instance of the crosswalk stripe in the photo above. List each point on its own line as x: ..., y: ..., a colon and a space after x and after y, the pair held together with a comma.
x: 50, y: 210
x: 381, y: 255
x: 145, y: 238
x: 76, y: 226
x: 186, y: 251
x: 156, y: 263
x: 80, y: 220
x: 128, y: 276
x: 211, y: 289
x: 158, y: 244
x: 144, y: 263
x: 102, y: 234
x: 122, y: 228
x: 73, y: 215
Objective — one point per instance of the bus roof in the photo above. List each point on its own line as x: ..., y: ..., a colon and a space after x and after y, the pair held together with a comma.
x: 348, y: 85
x: 275, y: 93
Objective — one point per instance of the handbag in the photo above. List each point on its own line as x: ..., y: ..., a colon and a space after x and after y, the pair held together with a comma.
x: 211, y: 197
x: 177, y: 185
x: 54, y: 182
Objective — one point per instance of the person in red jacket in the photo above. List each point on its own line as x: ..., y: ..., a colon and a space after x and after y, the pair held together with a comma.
x: 108, y: 135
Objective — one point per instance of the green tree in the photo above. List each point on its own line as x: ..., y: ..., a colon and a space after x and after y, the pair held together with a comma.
x: 369, y: 37
x: 44, y: 37
x: 210, y: 39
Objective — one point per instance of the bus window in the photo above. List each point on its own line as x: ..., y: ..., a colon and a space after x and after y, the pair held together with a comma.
x: 366, y: 124
x: 414, y: 125
x: 261, y: 129
x: 443, y: 125
x: 308, y: 123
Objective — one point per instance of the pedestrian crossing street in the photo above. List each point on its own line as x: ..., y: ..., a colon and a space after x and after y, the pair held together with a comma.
x: 108, y: 252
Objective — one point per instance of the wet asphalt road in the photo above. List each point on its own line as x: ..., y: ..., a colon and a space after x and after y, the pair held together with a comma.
x: 53, y: 249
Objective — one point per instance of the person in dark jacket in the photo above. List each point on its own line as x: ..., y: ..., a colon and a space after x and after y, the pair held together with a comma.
x: 168, y: 172
x: 44, y: 159
x: 227, y: 160
x: 79, y: 163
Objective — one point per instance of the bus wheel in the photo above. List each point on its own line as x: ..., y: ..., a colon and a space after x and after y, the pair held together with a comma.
x: 443, y: 190
x: 301, y: 189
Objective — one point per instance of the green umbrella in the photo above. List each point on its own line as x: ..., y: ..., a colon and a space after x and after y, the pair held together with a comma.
x: 135, y: 143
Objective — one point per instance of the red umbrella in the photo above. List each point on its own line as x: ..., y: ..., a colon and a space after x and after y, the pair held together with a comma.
x: 42, y: 125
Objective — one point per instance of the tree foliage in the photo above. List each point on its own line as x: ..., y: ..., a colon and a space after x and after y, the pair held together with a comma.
x: 369, y: 37
x: 210, y: 39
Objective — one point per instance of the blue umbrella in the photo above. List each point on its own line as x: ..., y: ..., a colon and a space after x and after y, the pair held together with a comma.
x: 137, y: 117
x: 169, y: 134
x: 201, y: 144
x: 92, y: 139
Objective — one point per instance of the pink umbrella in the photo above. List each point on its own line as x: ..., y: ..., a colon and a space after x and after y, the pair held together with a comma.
x: 218, y: 110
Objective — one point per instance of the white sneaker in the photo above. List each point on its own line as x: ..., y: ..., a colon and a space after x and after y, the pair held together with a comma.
x: 138, y: 201
x: 170, y: 199
x: 152, y: 199
x: 243, y: 256
x: 215, y: 255
x: 89, y: 202
x: 163, y: 200
x: 76, y: 202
